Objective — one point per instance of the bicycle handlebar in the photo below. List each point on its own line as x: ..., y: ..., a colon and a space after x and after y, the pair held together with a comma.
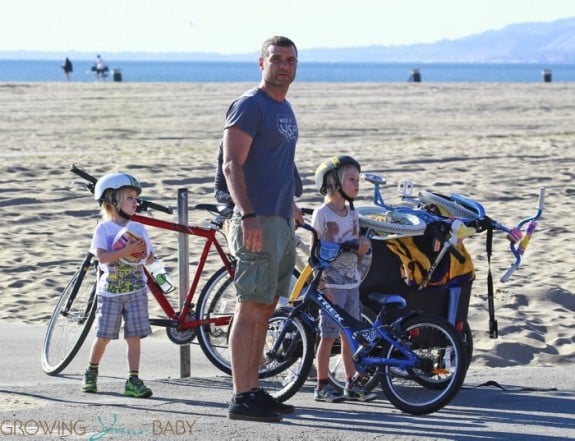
x: 481, y: 222
x: 143, y: 204
x: 324, y: 252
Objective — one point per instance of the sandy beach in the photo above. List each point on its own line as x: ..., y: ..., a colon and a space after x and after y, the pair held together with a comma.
x: 497, y: 143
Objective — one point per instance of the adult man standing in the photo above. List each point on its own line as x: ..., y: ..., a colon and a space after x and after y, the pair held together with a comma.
x: 259, y: 143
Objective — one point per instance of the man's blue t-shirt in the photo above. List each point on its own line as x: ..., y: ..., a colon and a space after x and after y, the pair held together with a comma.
x: 269, y: 167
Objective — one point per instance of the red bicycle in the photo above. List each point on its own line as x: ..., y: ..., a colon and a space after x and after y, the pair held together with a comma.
x: 209, y: 319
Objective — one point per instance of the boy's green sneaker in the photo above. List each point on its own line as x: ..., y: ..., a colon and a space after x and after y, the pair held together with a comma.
x: 328, y: 393
x: 136, y: 388
x: 90, y: 383
x: 358, y: 394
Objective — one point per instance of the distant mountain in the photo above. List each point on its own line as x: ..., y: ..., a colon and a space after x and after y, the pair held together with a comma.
x: 552, y: 42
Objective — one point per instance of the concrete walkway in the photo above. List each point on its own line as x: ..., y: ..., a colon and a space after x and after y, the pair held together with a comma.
x: 535, y: 403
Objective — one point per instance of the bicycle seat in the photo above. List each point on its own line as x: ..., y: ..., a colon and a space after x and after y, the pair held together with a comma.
x: 373, y: 178
x: 221, y: 209
x: 384, y: 300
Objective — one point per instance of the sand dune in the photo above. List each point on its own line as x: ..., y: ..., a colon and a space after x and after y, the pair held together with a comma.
x: 497, y: 143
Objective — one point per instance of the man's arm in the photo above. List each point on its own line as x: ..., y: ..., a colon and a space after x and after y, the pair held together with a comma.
x: 236, y: 146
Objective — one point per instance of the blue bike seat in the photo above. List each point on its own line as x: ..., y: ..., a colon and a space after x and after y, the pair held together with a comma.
x: 387, y: 300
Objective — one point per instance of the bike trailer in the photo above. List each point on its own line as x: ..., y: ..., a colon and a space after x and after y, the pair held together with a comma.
x: 391, y: 271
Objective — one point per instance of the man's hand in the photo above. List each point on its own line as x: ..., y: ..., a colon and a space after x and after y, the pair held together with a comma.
x: 298, y: 217
x: 252, y: 234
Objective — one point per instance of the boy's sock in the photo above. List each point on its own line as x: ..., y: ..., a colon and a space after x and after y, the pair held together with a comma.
x: 349, y: 382
x: 93, y: 367
x: 133, y: 374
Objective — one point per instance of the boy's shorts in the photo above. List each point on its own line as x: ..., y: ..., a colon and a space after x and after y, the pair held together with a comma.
x: 132, y: 308
x: 259, y: 277
x: 347, y: 299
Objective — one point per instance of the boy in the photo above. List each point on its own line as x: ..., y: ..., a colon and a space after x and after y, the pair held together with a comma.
x: 122, y: 248
x: 336, y: 221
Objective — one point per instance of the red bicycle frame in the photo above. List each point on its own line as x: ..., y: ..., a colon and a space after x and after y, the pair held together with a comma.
x: 210, y: 235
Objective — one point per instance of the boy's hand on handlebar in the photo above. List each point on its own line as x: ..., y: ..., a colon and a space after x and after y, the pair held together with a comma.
x: 363, y: 246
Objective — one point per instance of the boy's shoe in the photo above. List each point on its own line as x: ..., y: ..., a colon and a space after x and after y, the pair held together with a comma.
x: 328, y: 393
x: 250, y: 408
x: 358, y: 394
x: 271, y: 403
x: 136, y: 388
x: 90, y: 383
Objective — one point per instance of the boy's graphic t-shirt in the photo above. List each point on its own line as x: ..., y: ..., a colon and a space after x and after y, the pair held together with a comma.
x: 331, y: 227
x: 118, y: 277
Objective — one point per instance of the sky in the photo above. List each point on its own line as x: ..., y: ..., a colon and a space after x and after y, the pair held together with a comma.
x: 240, y: 26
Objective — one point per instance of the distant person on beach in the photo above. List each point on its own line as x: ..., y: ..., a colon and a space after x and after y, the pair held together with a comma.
x: 100, y: 68
x: 68, y: 68
x: 122, y: 248
x: 259, y: 141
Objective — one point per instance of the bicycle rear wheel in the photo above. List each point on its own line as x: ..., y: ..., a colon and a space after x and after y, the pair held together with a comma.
x: 431, y: 386
x: 71, y: 320
x: 218, y: 300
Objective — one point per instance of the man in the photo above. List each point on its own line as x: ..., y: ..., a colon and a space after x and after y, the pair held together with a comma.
x: 259, y: 141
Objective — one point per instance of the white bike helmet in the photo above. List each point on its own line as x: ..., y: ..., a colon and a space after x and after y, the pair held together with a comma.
x: 114, y: 181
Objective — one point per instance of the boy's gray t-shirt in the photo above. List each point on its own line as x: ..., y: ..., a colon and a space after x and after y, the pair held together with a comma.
x: 269, y: 168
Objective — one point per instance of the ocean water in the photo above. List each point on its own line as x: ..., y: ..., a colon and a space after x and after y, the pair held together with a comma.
x: 189, y: 72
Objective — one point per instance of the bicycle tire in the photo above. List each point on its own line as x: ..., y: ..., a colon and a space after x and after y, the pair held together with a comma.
x: 467, y: 338
x: 289, y: 369
x: 218, y: 299
x: 453, y: 208
x: 439, y: 345
x: 386, y: 222
x: 71, y: 320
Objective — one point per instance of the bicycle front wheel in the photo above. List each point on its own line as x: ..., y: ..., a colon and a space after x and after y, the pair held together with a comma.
x: 435, y: 382
x: 71, y: 320
x: 283, y: 373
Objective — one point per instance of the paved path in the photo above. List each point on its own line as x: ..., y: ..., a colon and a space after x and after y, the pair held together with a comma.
x: 33, y: 404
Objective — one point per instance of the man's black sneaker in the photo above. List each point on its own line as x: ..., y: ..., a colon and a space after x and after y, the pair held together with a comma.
x: 250, y: 409
x: 269, y: 402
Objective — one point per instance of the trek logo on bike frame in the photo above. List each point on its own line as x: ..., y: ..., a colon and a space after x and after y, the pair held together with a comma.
x: 331, y: 309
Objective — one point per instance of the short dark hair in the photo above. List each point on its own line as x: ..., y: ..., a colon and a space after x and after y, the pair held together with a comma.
x: 277, y: 40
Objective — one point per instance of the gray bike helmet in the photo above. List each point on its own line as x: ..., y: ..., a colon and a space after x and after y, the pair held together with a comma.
x: 114, y: 181
x: 333, y: 165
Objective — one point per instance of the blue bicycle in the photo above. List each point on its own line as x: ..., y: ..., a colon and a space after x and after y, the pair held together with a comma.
x: 419, y: 359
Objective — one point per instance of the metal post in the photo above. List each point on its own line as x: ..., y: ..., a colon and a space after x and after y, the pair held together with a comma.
x: 183, y: 261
